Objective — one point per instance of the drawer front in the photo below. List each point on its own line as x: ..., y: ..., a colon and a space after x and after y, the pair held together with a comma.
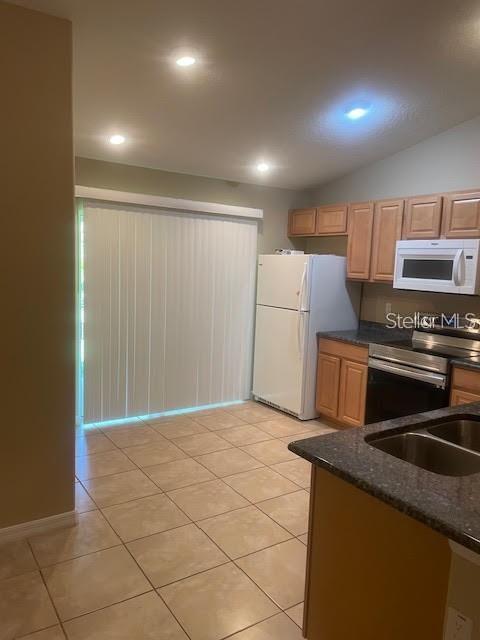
x: 343, y: 350
x: 466, y: 379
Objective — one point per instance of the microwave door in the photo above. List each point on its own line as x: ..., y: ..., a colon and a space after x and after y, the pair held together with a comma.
x: 442, y: 271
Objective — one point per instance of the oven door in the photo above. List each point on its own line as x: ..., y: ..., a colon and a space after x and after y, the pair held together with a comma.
x: 396, y: 390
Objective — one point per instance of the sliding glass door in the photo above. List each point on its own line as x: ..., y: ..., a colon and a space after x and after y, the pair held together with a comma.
x: 168, y: 308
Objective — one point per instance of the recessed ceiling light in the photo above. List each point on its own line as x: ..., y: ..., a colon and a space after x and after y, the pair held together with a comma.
x: 185, y: 61
x: 263, y: 167
x: 117, y: 139
x: 356, y: 113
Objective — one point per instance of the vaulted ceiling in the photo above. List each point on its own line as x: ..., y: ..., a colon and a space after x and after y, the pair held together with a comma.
x: 272, y: 82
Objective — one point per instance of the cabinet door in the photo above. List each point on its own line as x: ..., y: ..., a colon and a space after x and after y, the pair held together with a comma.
x: 359, y: 247
x: 461, y: 214
x: 353, y: 392
x: 423, y: 216
x: 301, y: 222
x: 328, y: 380
x: 387, y: 229
x: 332, y: 221
x: 458, y: 396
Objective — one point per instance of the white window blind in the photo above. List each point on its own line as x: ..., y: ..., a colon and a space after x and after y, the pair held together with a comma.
x: 169, y: 307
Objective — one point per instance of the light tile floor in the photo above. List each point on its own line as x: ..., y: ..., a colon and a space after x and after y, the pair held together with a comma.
x: 190, y: 528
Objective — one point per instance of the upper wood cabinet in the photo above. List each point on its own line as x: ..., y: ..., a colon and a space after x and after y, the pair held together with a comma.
x: 422, y: 220
x: 387, y: 229
x: 360, y: 225
x: 461, y: 215
x: 301, y: 222
x: 332, y: 220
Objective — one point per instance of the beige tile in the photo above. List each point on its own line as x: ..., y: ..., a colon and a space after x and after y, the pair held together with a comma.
x: 172, y: 430
x: 224, y: 463
x: 220, y: 420
x: 91, y: 533
x: 205, y: 412
x: 217, y: 603
x: 24, y: 606
x: 90, y: 443
x: 304, y: 538
x: 177, y: 474
x: 202, y: 443
x: 280, y: 627
x: 52, y: 633
x: 299, y: 436
x: 105, y: 427
x: 260, y: 484
x: 180, y: 419
x: 296, y: 614
x: 290, y: 511
x: 156, y: 453
x: 142, y: 618
x: 15, y: 558
x: 243, y: 531
x: 176, y: 554
x: 246, y: 434
x: 282, y: 427
x: 95, y: 581
x: 298, y: 471
x: 145, y: 516
x: 120, y: 487
x: 279, y: 571
x: 83, y: 502
x: 270, y: 451
x: 133, y: 436
x: 254, y: 413
x: 102, y: 464
x: 207, y: 499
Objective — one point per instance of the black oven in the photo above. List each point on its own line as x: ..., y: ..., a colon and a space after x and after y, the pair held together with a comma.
x: 395, y: 390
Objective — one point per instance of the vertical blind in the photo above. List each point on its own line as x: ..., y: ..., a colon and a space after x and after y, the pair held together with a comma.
x: 168, y: 310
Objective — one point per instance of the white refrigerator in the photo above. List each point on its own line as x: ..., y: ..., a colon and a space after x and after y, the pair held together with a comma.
x: 297, y: 296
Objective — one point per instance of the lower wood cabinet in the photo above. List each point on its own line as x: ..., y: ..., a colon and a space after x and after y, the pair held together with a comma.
x: 342, y: 382
x: 465, y: 386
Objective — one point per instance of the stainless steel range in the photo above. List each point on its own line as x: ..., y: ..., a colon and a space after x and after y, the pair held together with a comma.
x: 414, y: 376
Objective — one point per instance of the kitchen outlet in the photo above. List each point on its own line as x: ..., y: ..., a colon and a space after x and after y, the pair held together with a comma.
x: 458, y: 626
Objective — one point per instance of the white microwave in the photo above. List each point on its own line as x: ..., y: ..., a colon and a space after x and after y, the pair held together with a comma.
x: 446, y: 266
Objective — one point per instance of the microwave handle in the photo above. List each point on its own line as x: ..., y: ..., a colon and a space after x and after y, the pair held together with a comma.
x: 456, y: 267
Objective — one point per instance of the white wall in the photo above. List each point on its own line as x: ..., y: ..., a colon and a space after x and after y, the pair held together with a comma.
x: 445, y: 162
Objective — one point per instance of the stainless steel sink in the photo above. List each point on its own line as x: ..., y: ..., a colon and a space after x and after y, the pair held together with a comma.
x: 464, y: 432
x: 428, y: 452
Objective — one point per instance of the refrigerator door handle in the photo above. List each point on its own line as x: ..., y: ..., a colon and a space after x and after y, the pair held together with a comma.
x: 301, y: 295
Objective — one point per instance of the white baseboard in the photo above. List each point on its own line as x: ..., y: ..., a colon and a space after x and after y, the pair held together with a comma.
x: 35, y: 527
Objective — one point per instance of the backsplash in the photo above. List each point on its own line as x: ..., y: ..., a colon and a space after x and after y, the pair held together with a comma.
x: 376, y: 297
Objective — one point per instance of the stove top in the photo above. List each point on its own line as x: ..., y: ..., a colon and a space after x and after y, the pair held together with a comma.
x: 428, y: 351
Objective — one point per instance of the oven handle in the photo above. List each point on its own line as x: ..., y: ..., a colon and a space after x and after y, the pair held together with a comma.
x: 408, y: 372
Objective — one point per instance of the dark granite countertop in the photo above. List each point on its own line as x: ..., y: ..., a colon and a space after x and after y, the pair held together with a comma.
x: 450, y: 505
x: 467, y: 363
x: 368, y: 332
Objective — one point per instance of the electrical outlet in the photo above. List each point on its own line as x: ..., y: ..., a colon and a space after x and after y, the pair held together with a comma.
x: 458, y: 626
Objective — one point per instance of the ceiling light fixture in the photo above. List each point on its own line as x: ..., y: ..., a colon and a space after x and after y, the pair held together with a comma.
x: 117, y: 139
x: 263, y: 167
x: 356, y: 113
x: 185, y: 61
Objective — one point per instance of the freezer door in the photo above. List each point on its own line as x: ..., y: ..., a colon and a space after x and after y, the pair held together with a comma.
x: 279, y: 361
x: 283, y: 281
